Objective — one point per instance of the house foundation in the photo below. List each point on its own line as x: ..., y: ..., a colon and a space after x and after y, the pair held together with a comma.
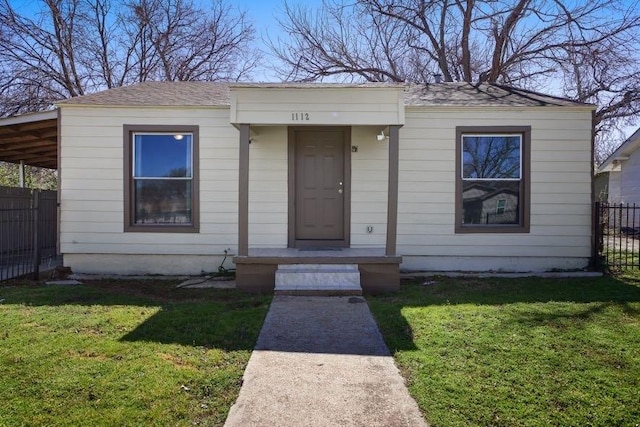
x: 379, y: 273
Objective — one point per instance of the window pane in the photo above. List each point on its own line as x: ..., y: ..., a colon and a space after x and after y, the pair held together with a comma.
x: 490, y: 202
x: 159, y: 155
x: 163, y: 201
x: 491, y: 156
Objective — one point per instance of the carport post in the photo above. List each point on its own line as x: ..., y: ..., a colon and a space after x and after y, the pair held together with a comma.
x: 21, y: 174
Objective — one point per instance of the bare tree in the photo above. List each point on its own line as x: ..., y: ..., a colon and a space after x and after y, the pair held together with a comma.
x: 586, y: 51
x: 36, y: 61
x: 34, y: 177
x: 174, y: 40
x: 341, y: 42
x: 74, y: 47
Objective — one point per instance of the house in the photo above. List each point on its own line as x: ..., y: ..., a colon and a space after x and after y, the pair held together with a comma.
x: 618, y: 177
x: 487, y: 205
x: 170, y: 177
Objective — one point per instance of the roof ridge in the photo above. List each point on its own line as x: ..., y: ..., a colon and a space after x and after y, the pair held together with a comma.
x: 211, y: 94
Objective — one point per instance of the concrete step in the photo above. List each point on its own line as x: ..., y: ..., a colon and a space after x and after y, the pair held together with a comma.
x: 318, y: 279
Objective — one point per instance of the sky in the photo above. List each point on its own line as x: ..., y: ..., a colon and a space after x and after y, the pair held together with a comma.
x: 264, y: 14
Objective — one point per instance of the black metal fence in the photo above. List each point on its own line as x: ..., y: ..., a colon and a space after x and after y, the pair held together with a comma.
x: 28, y: 230
x: 617, y: 236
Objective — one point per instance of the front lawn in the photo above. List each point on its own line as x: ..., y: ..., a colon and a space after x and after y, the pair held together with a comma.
x: 518, y: 352
x: 123, y: 353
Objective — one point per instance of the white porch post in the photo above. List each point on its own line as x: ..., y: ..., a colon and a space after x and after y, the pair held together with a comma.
x: 392, y: 199
x: 243, y: 192
x: 21, y: 174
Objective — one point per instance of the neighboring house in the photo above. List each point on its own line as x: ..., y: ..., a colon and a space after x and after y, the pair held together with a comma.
x: 165, y: 177
x: 619, y: 175
x: 488, y: 205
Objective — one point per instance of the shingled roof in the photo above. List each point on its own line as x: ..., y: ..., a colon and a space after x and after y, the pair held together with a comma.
x: 218, y: 94
x: 158, y: 94
x: 480, y: 95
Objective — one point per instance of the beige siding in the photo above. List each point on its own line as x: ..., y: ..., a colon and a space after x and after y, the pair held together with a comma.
x: 92, y: 188
x: 92, y: 191
x: 560, y: 193
x: 325, y: 106
x: 369, y: 176
x: 268, y: 203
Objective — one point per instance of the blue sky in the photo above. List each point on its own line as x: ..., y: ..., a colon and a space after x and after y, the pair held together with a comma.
x: 263, y: 14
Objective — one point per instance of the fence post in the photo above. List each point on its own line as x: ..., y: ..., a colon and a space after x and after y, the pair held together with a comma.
x: 36, y: 234
x: 596, y: 237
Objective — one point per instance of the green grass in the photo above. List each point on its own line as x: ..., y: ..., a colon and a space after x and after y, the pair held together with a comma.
x: 123, y: 353
x: 621, y: 261
x: 525, y: 352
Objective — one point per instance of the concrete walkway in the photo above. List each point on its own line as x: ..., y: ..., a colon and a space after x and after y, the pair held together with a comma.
x: 321, y: 361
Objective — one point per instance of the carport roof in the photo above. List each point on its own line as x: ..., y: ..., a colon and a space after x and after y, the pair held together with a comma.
x: 32, y: 138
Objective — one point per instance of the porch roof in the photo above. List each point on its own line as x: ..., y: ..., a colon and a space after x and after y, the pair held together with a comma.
x: 31, y: 138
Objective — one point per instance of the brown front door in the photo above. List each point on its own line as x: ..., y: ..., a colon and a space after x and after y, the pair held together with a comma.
x: 320, y: 187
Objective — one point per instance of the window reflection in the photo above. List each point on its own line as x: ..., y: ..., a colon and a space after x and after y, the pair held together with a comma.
x: 162, y: 155
x: 491, y: 156
x: 162, y: 202
x: 491, y: 179
x: 490, y: 202
x: 162, y: 176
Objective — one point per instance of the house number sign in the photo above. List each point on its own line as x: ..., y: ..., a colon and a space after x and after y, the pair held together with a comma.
x: 300, y: 117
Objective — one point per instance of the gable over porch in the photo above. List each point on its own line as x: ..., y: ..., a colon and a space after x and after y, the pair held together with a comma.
x: 319, y: 120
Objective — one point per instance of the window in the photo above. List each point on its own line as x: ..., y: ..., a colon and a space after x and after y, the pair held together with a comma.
x: 492, y: 179
x: 161, y: 178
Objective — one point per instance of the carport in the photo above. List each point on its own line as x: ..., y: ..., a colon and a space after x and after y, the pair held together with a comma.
x: 28, y: 218
x: 30, y: 139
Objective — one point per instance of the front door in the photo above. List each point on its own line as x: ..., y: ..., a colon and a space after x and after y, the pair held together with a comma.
x: 320, y: 187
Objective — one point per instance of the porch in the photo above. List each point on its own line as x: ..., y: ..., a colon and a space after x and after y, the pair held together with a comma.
x: 256, y: 272
x: 331, y: 190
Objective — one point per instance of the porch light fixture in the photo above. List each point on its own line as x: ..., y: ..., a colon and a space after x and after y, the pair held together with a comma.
x: 381, y: 136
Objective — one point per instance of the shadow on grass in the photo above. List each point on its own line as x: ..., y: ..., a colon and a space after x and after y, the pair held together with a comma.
x: 599, y: 293
x: 212, y: 318
x: 231, y: 320
x: 227, y: 326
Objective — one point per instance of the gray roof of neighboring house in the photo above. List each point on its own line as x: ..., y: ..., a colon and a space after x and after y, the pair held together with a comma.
x: 218, y: 94
x: 622, y: 152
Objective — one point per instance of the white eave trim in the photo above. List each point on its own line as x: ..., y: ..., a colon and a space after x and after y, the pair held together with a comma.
x: 622, y: 153
x: 29, y: 118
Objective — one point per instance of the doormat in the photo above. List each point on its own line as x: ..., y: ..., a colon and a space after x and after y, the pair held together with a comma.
x: 319, y: 249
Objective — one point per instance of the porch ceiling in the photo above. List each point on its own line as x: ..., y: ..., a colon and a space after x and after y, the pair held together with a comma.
x: 32, y: 138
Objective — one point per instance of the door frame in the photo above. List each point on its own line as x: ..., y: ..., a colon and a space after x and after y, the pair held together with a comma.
x: 292, y: 242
